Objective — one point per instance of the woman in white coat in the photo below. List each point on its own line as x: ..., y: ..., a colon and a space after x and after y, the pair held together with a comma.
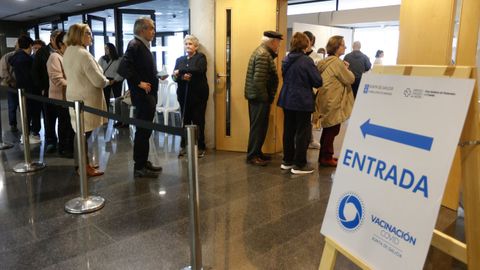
x: 85, y: 80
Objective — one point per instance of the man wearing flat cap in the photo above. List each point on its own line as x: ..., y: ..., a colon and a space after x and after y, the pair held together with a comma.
x: 260, y: 87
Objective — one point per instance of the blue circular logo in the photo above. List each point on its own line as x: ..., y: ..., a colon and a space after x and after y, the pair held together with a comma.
x: 353, y: 220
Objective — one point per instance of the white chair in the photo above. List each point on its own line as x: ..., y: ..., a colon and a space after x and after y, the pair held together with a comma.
x: 169, y: 102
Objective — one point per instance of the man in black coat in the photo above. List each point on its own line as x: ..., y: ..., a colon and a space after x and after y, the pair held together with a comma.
x: 21, y: 62
x: 139, y: 68
x: 40, y: 78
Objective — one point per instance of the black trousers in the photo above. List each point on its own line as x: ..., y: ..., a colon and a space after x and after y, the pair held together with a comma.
x: 34, y: 111
x: 355, y: 86
x: 258, y: 113
x: 194, y: 113
x: 145, y: 107
x: 116, y: 88
x: 65, y: 130
x: 296, y: 136
x: 50, y: 115
x: 12, y: 108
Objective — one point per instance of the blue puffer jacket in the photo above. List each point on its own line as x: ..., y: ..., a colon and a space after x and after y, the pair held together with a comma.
x: 299, y: 77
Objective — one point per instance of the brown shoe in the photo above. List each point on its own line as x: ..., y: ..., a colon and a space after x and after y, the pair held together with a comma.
x: 257, y: 161
x: 328, y: 162
x: 92, y: 172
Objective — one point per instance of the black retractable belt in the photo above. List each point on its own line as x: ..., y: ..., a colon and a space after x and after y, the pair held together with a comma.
x: 179, y: 131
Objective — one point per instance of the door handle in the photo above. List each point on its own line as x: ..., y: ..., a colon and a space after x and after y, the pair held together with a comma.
x: 219, y: 75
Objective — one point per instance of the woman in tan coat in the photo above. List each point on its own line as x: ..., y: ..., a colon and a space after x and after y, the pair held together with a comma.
x: 334, y: 100
x: 85, y: 80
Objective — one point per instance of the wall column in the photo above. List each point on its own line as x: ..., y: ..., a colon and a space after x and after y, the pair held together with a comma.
x: 426, y: 39
x: 202, y: 25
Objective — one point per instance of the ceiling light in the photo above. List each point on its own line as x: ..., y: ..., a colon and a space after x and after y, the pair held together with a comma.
x: 158, y: 13
x: 80, y: 4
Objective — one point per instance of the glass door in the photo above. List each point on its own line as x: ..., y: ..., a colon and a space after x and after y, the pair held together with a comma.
x: 127, y: 20
x: 98, y: 25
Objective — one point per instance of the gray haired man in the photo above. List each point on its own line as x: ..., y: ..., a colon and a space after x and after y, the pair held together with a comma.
x: 359, y: 64
x: 139, y: 68
x: 260, y: 87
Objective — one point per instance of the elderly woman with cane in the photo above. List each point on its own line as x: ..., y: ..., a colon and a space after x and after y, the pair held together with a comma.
x: 192, y: 93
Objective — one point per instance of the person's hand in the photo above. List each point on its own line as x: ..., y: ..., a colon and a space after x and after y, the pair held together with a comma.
x: 176, y: 72
x: 346, y: 64
x: 145, y: 86
x: 187, y: 76
x: 110, y: 82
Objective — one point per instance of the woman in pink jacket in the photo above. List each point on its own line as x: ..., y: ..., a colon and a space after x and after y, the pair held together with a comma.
x: 58, y: 86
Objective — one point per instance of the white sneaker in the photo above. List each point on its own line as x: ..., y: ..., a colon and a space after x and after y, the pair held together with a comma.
x: 286, y: 166
x: 302, y: 170
x: 314, y: 145
x: 33, y: 139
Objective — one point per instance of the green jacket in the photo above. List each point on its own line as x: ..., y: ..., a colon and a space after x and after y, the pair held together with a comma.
x: 262, y: 79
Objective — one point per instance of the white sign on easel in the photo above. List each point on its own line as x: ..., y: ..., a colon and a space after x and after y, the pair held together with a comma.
x: 393, y: 167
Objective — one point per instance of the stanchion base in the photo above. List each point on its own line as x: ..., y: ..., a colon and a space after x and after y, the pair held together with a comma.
x: 4, y: 146
x: 29, y: 167
x: 82, y: 206
x: 190, y: 268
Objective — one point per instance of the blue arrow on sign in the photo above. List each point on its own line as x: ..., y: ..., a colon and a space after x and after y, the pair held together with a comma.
x: 395, y: 135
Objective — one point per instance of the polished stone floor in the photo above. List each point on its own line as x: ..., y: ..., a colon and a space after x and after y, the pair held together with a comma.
x: 251, y: 217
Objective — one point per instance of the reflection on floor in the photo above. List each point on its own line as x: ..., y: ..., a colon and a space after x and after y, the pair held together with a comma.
x: 251, y: 217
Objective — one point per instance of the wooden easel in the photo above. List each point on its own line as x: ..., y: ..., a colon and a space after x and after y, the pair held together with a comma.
x: 464, y: 172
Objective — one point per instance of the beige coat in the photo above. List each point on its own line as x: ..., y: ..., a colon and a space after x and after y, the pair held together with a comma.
x: 85, y: 81
x: 334, y: 101
x: 56, y: 76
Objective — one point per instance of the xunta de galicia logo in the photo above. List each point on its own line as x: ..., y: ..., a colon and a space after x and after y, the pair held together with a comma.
x: 350, y: 212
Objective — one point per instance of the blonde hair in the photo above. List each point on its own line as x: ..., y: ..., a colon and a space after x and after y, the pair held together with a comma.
x: 76, y: 33
x: 193, y: 39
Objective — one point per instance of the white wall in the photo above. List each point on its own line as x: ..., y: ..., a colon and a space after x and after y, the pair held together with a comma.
x: 359, y: 17
x: 323, y: 33
x: 202, y: 23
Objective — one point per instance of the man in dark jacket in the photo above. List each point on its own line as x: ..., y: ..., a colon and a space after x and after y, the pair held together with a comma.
x: 359, y: 64
x: 21, y: 62
x: 260, y: 87
x: 40, y: 78
x: 139, y: 68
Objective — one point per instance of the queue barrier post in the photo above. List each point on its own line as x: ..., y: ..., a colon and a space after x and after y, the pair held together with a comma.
x: 28, y: 165
x: 193, y: 199
x: 85, y: 203
x: 3, y: 145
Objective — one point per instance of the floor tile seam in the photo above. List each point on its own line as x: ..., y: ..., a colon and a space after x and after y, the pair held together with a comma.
x: 103, y: 232
x: 260, y: 224
x: 256, y: 193
x: 236, y: 170
x: 126, y: 184
x: 282, y: 215
x: 51, y: 236
x: 281, y: 246
x: 277, y: 247
x: 104, y: 219
x: 240, y: 179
